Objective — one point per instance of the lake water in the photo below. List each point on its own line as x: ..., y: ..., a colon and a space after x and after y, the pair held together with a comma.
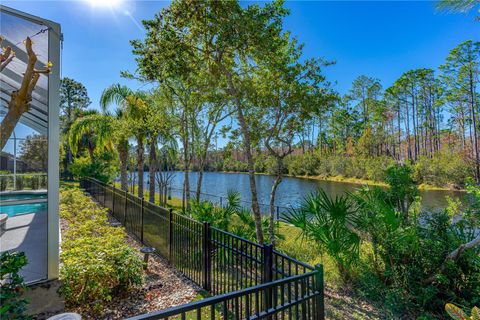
x: 290, y: 191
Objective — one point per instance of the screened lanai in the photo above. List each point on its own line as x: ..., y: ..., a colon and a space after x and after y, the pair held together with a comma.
x: 29, y: 178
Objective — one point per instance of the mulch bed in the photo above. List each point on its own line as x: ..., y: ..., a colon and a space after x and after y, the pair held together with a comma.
x: 163, y: 287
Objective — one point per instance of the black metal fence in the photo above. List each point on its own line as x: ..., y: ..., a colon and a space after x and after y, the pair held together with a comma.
x: 249, y: 281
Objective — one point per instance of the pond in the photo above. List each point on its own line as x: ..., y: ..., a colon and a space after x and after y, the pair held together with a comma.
x: 291, y: 190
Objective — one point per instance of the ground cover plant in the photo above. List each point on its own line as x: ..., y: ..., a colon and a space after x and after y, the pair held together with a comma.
x: 97, y: 262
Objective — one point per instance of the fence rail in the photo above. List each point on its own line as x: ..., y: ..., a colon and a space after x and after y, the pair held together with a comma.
x: 249, y: 281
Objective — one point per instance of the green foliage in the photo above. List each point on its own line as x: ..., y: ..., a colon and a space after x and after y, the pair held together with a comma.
x: 303, y: 165
x: 458, y: 314
x: 230, y: 217
x: 20, y: 182
x: 3, y: 183
x: 408, y: 262
x: 329, y: 222
x: 96, y: 261
x: 382, y: 243
x: 217, y: 216
x: 444, y: 169
x: 101, y: 168
x: 232, y: 165
x: 12, y: 305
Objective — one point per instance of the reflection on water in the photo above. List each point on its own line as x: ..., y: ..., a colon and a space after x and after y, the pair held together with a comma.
x: 290, y: 191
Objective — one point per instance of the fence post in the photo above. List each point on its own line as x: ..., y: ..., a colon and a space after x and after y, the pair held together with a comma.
x: 206, y: 257
x: 170, y: 235
x: 141, y: 216
x: 268, y: 272
x: 125, y: 211
x: 320, y: 298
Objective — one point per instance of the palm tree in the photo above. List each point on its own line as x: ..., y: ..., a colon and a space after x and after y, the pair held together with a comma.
x: 331, y: 223
x: 133, y: 105
x: 103, y: 130
x: 93, y: 131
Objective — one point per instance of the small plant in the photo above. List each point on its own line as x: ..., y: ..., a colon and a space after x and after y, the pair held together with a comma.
x: 458, y: 314
x: 329, y: 222
x: 12, y: 305
x: 96, y: 261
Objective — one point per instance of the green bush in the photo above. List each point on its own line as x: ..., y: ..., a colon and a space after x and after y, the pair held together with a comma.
x: 20, y: 182
x: 3, y: 183
x: 12, y: 305
x: 101, y: 169
x: 443, y: 170
x: 96, y: 261
x: 303, y: 165
x: 408, y: 267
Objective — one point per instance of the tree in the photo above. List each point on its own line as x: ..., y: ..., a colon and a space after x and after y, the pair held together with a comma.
x: 366, y: 91
x: 73, y: 99
x: 135, y: 112
x: 97, y: 129
x: 229, y: 41
x: 286, y: 89
x: 34, y: 152
x: 460, y: 76
x: 19, y: 99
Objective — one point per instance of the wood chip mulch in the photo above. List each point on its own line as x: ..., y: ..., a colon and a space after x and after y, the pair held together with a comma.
x: 163, y: 287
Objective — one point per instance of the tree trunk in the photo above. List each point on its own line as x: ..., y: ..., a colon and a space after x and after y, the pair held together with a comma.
x: 152, y: 168
x: 271, y: 227
x: 123, y: 157
x: 474, y: 123
x: 250, y: 164
x: 140, y: 165
x: 186, y: 182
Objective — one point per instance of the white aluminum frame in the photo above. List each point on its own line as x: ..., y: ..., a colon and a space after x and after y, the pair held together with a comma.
x: 54, y: 45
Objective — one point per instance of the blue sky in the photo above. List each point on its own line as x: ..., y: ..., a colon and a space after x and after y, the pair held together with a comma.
x: 381, y: 39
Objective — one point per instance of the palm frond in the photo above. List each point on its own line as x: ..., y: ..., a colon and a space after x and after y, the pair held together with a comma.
x: 98, y: 125
x: 115, y: 94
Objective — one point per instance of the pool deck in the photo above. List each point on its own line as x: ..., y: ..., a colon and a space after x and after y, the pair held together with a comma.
x: 28, y: 233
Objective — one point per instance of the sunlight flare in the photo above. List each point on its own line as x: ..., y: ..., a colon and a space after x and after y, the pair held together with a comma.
x: 104, y: 3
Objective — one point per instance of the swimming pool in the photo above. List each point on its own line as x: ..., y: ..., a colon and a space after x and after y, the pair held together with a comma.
x: 22, y: 196
x: 14, y: 203
x: 13, y: 210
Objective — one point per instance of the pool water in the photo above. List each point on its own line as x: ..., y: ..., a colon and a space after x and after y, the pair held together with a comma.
x: 23, y: 196
x: 13, y: 210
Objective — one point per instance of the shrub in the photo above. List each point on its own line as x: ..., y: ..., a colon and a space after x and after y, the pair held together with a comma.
x: 34, y: 182
x: 12, y: 305
x: 20, y: 182
x: 444, y: 169
x: 409, y: 266
x: 96, y: 261
x: 101, y: 169
x: 303, y: 164
x: 3, y: 183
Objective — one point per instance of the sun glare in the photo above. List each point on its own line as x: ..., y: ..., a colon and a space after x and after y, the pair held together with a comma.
x: 104, y: 3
